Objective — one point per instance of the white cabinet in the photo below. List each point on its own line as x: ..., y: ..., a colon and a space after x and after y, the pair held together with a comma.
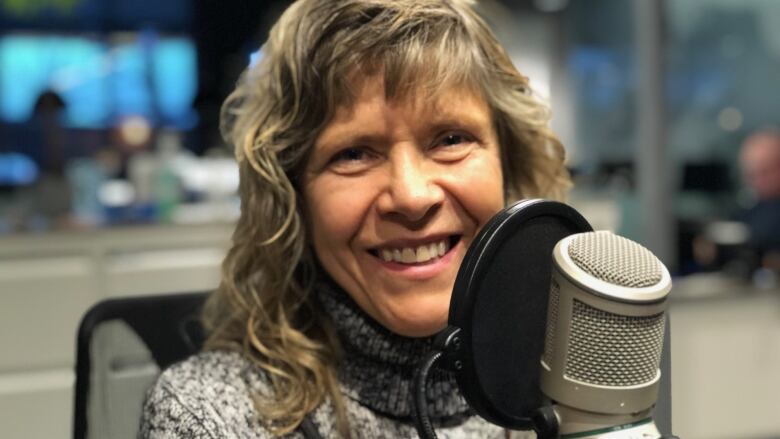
x: 726, y: 366
x: 48, y: 281
x: 42, y: 299
x: 36, y: 404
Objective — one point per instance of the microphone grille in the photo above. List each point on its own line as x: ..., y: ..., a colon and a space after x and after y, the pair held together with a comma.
x: 613, y: 350
x: 615, y: 260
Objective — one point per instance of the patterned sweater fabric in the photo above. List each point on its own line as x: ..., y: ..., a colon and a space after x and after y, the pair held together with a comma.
x: 209, y: 395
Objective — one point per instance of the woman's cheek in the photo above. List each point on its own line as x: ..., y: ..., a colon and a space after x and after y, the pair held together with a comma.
x: 337, y: 204
x: 479, y: 186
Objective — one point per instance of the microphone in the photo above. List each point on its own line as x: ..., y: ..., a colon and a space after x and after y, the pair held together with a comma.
x: 604, y: 336
x: 555, y: 328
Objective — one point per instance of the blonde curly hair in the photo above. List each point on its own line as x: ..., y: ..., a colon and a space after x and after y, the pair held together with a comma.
x: 263, y: 306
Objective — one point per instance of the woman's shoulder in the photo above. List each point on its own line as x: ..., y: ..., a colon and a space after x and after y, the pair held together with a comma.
x: 208, y: 395
x: 214, y: 371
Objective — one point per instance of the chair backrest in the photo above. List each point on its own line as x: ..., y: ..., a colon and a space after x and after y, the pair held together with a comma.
x: 122, y: 345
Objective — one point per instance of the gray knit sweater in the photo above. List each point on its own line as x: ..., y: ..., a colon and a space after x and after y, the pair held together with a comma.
x: 209, y: 395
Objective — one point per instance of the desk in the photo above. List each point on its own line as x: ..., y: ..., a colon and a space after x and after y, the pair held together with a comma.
x: 725, y: 359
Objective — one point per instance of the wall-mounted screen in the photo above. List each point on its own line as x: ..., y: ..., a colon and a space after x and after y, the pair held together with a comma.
x: 100, y: 80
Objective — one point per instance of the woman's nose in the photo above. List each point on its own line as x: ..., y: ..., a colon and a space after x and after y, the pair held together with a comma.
x: 413, y: 190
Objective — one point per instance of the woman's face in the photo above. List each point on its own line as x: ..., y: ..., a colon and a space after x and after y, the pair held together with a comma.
x: 395, y: 192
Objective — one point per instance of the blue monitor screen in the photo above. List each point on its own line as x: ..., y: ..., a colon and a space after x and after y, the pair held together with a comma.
x: 96, y: 15
x: 99, y: 80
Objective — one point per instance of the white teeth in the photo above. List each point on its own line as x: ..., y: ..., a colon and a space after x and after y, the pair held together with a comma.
x: 423, y: 253
x: 433, y: 250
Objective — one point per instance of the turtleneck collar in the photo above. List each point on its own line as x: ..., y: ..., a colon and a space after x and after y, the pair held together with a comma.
x: 377, y: 368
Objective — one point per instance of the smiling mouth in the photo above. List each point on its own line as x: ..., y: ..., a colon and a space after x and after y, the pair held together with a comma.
x: 421, y: 254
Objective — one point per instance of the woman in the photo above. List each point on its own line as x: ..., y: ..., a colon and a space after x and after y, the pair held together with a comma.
x: 374, y: 140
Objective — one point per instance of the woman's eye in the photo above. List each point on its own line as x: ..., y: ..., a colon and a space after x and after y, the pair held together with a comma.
x: 349, y: 155
x: 453, y: 139
x: 453, y: 146
x: 352, y: 160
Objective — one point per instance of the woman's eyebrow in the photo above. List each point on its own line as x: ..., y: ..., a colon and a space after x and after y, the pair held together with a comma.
x: 350, y: 133
x: 446, y: 110
x: 460, y: 119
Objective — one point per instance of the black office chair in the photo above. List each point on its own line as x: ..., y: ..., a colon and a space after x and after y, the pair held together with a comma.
x: 122, y: 345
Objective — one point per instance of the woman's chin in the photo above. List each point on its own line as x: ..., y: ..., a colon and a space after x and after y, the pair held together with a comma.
x: 423, y: 326
x: 416, y: 316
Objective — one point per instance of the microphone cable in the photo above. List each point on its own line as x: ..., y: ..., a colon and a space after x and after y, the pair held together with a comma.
x: 420, y: 408
x: 545, y: 422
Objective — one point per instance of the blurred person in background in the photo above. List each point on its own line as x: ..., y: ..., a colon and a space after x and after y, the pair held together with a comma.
x: 374, y: 139
x: 49, y: 197
x: 760, y: 164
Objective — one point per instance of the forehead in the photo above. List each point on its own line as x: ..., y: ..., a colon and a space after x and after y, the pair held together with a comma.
x: 370, y: 95
x: 372, y: 114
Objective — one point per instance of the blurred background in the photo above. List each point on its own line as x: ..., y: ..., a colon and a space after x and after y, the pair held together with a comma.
x: 114, y: 180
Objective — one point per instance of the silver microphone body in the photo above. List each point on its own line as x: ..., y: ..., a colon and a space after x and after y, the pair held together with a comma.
x: 604, y: 336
